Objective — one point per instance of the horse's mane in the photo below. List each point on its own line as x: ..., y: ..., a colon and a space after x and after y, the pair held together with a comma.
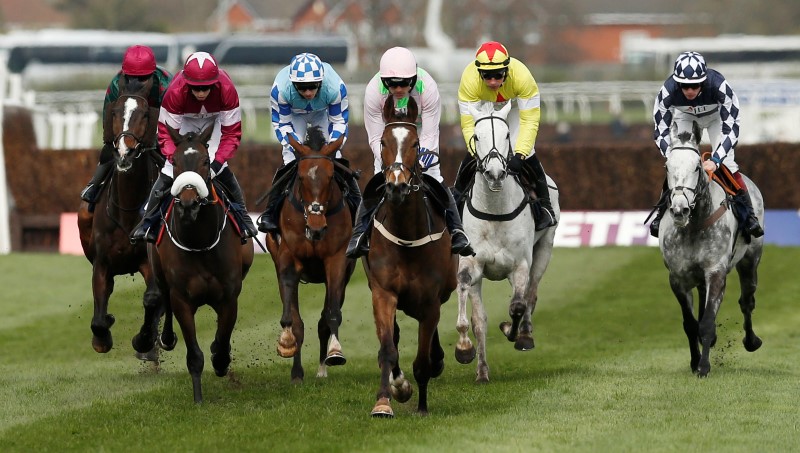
x: 393, y: 113
x: 315, y: 139
x: 133, y: 85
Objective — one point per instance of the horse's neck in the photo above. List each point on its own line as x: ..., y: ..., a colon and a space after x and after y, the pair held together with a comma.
x: 202, y: 231
x: 413, y: 217
x: 502, y: 201
x: 129, y: 190
x: 706, y: 202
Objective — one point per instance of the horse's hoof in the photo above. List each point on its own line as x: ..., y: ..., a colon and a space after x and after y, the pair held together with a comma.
x: 382, y: 409
x: 141, y: 345
x: 465, y: 356
x: 102, y: 344
x: 401, y: 390
x: 524, y: 343
x: 167, y: 343
x: 505, y: 327
x: 286, y: 353
x: 335, y: 358
x: 753, y: 344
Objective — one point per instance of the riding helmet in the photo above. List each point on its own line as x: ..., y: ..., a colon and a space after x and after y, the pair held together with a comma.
x: 398, y: 62
x: 306, y: 67
x: 690, y: 67
x: 492, y: 56
x: 200, y: 69
x: 138, y: 61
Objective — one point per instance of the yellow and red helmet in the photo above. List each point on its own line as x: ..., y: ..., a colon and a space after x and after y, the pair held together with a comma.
x: 492, y: 56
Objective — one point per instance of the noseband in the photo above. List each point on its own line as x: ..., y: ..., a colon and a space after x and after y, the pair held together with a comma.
x: 494, y: 153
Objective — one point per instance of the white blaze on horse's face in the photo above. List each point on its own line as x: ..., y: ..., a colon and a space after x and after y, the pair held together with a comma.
x: 130, y: 106
x: 683, y: 176
x: 401, y: 134
x: 492, y: 134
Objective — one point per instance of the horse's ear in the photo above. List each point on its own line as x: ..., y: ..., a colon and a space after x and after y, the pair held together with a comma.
x: 205, y: 135
x: 503, y: 112
x: 299, y: 148
x: 175, y: 134
x: 413, y: 110
x: 697, y: 131
x: 331, y: 148
x: 388, y: 110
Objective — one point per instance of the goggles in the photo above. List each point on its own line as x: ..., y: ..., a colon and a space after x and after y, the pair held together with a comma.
x: 690, y: 86
x: 498, y: 74
x: 396, y: 82
x: 306, y: 86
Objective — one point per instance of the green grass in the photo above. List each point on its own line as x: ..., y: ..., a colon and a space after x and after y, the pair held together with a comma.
x: 610, y: 371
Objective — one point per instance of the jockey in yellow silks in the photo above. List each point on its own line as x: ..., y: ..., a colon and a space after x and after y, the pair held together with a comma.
x: 497, y: 78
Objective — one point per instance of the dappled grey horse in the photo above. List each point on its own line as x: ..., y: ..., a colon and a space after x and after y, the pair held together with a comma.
x: 701, y: 245
x: 499, y: 220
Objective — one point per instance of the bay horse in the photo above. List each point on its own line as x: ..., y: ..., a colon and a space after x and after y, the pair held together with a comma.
x: 500, y: 218
x: 315, y: 228
x: 104, y: 231
x: 201, y: 259
x: 409, y: 266
x: 701, y: 245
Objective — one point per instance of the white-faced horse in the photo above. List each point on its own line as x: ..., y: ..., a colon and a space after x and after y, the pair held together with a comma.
x: 499, y: 220
x: 701, y: 245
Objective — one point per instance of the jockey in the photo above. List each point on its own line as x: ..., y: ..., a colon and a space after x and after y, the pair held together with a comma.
x: 400, y: 77
x: 305, y: 93
x: 201, y: 94
x: 140, y: 63
x: 497, y: 78
x: 694, y: 93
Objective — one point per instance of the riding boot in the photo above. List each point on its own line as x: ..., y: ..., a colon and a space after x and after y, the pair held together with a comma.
x: 92, y: 190
x: 459, y: 242
x: 352, y: 195
x: 268, y: 220
x: 234, y: 191
x: 464, y: 176
x: 148, y: 227
x: 547, y: 217
x: 359, y: 242
x: 370, y: 200
x: 661, y: 209
x: 751, y: 225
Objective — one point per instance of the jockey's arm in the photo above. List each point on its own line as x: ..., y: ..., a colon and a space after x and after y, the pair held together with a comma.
x: 529, y: 103
x: 662, y: 120
x: 729, y: 115
x: 431, y: 114
x: 282, y: 117
x: 339, y: 114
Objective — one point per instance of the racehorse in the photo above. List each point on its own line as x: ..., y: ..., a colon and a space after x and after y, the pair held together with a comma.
x: 104, y: 231
x: 702, y: 244
x: 409, y: 265
x: 500, y: 219
x: 201, y: 259
x: 315, y: 227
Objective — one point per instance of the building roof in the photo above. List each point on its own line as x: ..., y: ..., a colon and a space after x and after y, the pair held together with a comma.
x: 30, y: 14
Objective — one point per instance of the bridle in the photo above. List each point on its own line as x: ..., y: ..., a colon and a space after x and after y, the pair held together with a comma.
x: 684, y: 190
x: 415, y: 172
x: 315, y: 207
x: 493, y: 153
x: 139, y: 149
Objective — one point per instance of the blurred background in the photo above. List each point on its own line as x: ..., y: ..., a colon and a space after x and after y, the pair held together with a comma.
x: 598, y: 61
x: 599, y: 65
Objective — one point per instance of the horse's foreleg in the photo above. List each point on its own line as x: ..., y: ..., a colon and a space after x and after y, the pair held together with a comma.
x: 288, y: 281
x: 102, y: 287
x: 747, y: 269
x: 400, y: 386
x: 330, y: 353
x: 518, y: 305
x: 690, y: 325
x: 227, y: 312
x: 144, y: 342
x: 185, y: 312
x: 465, y: 351
x: 425, y: 365
x: 384, y: 307
x: 715, y: 290
x: 479, y: 328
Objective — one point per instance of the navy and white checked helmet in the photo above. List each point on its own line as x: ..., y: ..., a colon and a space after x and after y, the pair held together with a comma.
x: 306, y: 67
x: 690, y: 67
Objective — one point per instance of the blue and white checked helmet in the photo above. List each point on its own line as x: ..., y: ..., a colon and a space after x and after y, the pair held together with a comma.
x: 306, y: 67
x: 690, y: 67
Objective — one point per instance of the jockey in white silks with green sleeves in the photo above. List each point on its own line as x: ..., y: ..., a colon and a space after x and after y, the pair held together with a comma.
x: 400, y: 78
x: 306, y: 93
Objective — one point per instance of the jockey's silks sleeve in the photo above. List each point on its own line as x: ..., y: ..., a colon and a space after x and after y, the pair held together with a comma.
x: 519, y: 85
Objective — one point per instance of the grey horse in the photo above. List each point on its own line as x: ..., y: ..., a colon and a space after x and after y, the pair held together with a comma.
x: 702, y: 244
